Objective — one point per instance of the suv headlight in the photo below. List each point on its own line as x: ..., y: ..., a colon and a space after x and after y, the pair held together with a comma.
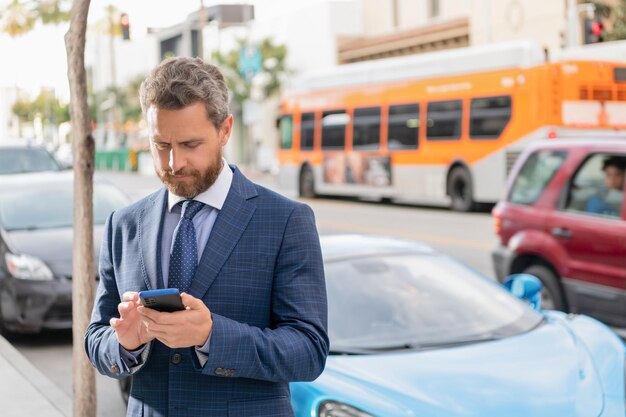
x: 28, y: 267
x: 337, y: 409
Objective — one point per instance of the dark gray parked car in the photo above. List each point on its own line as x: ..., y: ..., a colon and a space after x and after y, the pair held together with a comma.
x: 36, y: 247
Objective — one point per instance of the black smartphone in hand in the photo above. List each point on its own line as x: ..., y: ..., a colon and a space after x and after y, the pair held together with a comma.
x: 166, y: 300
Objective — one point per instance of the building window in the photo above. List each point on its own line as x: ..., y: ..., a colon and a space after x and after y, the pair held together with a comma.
x: 404, y: 124
x: 366, y: 131
x: 433, y: 8
x: 334, y: 129
x: 489, y: 116
x: 444, y: 120
x: 307, y: 127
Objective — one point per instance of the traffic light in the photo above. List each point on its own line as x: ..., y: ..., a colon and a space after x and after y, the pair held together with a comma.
x: 594, y: 30
x: 125, y: 26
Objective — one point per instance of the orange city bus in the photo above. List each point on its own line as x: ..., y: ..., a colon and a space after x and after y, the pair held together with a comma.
x: 441, y: 128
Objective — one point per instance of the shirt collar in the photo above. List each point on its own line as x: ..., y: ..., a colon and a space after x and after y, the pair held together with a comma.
x: 215, y: 196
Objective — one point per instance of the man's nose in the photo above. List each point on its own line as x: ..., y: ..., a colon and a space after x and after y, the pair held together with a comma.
x: 176, y: 161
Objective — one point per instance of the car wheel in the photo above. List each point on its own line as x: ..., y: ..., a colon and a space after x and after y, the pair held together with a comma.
x: 551, y: 295
x: 125, y: 385
x: 460, y: 190
x: 307, y: 183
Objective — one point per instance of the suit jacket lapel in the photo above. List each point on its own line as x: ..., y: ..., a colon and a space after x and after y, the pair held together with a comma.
x: 227, y: 230
x: 150, y: 228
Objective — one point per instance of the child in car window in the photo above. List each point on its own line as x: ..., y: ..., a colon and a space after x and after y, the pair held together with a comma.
x: 609, y: 200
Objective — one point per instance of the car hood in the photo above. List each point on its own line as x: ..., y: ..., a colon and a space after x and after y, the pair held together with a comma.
x: 545, y: 372
x: 53, y: 246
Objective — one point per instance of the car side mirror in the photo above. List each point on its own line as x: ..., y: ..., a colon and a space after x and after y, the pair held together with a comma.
x: 526, y: 287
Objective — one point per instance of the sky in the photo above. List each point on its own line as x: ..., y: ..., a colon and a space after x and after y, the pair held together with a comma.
x: 38, y: 59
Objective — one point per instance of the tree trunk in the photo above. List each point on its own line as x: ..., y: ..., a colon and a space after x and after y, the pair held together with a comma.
x: 83, y: 271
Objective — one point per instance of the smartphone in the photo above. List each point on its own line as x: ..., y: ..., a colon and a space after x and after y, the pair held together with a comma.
x: 166, y: 300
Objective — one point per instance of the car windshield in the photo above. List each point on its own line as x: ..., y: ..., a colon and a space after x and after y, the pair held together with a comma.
x: 417, y: 301
x: 20, y: 160
x: 52, y: 207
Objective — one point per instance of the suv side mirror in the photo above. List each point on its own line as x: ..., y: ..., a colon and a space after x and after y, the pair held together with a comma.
x: 526, y: 287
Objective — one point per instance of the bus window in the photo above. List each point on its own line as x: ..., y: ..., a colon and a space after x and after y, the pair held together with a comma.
x: 404, y: 124
x: 444, y: 120
x: 366, y: 131
x: 489, y: 116
x: 286, y: 131
x: 334, y: 129
x: 307, y: 126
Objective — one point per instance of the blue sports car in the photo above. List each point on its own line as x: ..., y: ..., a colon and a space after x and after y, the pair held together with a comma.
x: 415, y: 333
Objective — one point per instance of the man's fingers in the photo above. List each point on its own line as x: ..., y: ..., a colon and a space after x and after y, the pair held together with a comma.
x: 130, y: 296
x: 155, y: 316
x: 114, y: 322
x: 124, y: 307
x: 192, y: 302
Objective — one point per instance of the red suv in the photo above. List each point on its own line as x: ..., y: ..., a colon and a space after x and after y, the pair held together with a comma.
x: 564, y: 221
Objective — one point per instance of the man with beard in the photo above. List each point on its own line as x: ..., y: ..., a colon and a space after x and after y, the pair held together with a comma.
x: 246, y: 260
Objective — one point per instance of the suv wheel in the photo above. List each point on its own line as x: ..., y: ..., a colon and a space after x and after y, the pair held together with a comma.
x: 460, y: 190
x: 551, y: 295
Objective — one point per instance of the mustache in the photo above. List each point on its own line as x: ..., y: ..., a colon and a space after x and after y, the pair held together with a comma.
x: 186, y: 172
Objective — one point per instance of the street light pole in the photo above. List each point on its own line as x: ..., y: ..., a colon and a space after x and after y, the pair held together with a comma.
x: 202, y: 18
x: 113, y: 112
x: 573, y: 23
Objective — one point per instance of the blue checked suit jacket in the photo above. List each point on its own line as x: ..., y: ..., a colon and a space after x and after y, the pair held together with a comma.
x: 262, y: 277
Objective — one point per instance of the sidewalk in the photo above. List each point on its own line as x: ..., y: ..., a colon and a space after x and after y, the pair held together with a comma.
x: 24, y: 391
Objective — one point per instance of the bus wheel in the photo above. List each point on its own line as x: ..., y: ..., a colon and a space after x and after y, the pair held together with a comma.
x: 460, y: 190
x: 307, y: 183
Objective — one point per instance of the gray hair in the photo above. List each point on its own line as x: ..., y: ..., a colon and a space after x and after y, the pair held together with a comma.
x: 180, y: 81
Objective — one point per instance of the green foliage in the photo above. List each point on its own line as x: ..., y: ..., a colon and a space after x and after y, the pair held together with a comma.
x: 126, y: 100
x: 272, y: 72
x: 20, y: 16
x: 45, y: 106
x: 616, y: 17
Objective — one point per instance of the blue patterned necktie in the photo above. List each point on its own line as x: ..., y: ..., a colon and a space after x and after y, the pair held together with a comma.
x: 184, y: 256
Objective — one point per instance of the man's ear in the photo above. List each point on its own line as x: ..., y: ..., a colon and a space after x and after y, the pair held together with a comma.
x: 226, y: 129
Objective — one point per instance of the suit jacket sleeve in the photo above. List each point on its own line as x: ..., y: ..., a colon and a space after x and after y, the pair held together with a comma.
x: 295, y: 346
x: 101, y: 344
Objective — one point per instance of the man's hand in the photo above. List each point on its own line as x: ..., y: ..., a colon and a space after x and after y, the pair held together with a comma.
x: 190, y: 327
x: 130, y: 331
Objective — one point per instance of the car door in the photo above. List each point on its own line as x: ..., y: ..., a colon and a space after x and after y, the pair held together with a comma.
x: 594, y: 245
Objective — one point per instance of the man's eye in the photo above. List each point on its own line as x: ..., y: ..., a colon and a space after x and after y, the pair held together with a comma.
x: 191, y: 145
x: 161, y: 146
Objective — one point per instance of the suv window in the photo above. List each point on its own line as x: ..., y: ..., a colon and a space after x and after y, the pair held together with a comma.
x: 597, y: 188
x: 532, y: 179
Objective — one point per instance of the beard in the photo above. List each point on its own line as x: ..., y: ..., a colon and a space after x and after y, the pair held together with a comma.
x: 201, y: 181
